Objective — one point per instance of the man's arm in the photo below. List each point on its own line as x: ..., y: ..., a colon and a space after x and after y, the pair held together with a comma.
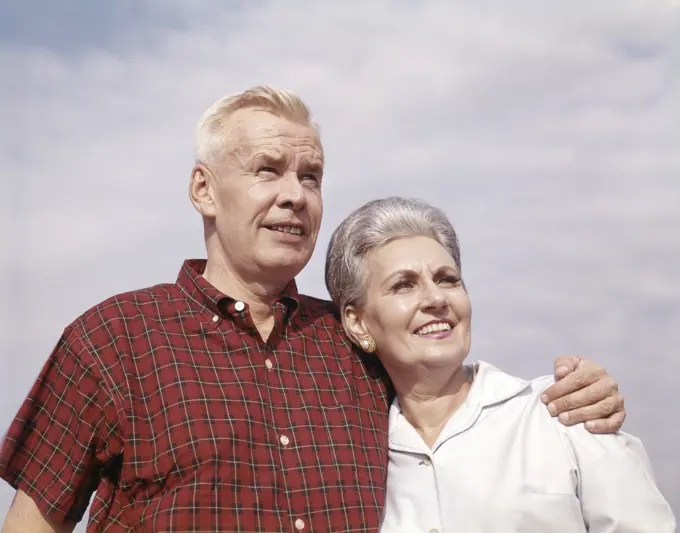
x: 24, y: 516
x: 584, y: 392
x: 67, y: 405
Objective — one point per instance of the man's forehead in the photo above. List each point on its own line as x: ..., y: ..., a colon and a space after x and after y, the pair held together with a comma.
x: 261, y: 131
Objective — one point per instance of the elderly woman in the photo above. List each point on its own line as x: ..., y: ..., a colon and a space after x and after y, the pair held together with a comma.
x: 472, y: 448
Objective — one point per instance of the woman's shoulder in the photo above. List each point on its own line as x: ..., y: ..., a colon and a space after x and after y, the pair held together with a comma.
x: 576, y: 436
x: 510, y: 392
x: 497, y: 386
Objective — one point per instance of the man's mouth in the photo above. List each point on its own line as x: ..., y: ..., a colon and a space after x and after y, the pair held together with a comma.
x: 295, y: 230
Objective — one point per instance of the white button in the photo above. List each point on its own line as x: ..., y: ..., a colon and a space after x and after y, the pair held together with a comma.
x: 426, y: 461
x: 268, y: 364
x: 239, y: 306
x: 284, y: 440
x: 216, y: 318
x: 299, y: 524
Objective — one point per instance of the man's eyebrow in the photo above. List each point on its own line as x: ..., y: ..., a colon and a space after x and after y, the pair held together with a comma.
x: 267, y: 157
x: 268, y: 154
x: 312, y: 166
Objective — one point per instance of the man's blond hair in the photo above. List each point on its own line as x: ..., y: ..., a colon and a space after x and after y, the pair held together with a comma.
x: 212, y: 132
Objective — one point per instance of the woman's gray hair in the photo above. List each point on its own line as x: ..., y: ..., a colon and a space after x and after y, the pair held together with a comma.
x: 372, y: 226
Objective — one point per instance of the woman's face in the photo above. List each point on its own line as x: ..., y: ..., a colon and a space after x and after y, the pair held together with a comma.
x: 416, y: 308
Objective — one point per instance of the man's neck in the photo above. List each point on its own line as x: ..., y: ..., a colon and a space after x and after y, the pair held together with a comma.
x: 258, y: 296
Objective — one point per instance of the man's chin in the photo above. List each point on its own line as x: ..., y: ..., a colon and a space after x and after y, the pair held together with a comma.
x: 283, y: 269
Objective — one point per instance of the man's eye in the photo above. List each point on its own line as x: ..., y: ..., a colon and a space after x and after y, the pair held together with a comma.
x: 450, y: 281
x: 266, y: 170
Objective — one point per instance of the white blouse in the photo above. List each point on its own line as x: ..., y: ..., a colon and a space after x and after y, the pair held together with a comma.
x: 502, y: 464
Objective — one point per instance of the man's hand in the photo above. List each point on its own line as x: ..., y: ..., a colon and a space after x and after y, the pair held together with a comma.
x: 24, y: 516
x: 584, y: 392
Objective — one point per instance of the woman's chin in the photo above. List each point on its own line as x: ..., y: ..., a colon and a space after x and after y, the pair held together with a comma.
x: 442, y: 358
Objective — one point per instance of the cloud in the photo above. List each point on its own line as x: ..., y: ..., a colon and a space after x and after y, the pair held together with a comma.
x: 545, y: 131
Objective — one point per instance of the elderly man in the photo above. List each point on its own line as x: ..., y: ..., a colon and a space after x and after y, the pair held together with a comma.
x: 226, y: 401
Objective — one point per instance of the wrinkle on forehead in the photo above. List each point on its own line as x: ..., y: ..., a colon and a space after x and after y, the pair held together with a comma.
x: 247, y: 138
x: 398, y: 256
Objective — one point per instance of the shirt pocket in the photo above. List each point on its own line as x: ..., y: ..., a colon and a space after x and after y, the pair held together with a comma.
x: 546, y: 513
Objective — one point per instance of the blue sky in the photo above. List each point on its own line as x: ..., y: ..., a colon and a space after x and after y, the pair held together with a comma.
x: 547, y: 132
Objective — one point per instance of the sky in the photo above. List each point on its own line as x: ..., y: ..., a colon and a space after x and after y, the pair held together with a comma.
x: 547, y: 131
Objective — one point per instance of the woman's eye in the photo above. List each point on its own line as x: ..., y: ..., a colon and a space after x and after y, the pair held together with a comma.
x: 267, y: 170
x: 401, y: 285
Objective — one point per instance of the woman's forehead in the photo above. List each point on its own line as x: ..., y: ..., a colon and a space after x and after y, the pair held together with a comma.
x: 409, y: 254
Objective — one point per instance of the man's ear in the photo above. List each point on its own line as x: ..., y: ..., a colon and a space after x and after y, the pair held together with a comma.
x: 353, y: 324
x: 201, y: 190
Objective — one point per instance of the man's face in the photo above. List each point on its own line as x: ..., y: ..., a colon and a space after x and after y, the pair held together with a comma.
x: 267, y: 196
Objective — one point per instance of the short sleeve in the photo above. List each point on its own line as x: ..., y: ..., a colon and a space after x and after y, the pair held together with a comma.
x: 56, y: 447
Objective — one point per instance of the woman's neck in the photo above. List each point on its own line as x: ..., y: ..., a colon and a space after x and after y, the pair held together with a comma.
x: 429, y: 398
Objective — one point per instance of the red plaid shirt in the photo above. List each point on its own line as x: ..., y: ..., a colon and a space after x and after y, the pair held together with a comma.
x: 167, y: 403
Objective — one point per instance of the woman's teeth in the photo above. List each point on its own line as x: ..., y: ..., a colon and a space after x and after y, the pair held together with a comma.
x: 434, y: 328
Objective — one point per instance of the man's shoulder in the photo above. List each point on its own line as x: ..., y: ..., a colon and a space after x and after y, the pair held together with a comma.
x: 312, y: 307
x: 318, y: 303
x: 149, y: 303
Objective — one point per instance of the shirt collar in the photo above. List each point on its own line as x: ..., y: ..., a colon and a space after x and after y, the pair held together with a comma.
x: 490, y: 386
x: 190, y: 280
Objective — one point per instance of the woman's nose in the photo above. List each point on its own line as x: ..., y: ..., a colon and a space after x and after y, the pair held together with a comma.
x: 435, y: 298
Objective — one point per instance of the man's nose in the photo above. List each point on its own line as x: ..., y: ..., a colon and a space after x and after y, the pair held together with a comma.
x: 292, y: 194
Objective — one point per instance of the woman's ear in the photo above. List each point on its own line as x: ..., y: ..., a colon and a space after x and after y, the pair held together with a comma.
x: 353, y: 324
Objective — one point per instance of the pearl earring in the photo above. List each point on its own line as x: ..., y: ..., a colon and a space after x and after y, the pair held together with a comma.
x: 368, y: 344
